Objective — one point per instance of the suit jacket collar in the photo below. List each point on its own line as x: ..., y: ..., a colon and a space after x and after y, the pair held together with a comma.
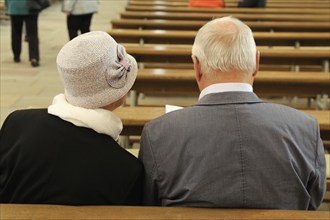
x: 223, y: 98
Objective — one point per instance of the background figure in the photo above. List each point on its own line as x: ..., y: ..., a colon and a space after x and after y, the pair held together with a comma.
x: 68, y: 154
x: 79, y: 15
x: 252, y: 3
x: 232, y: 149
x: 20, y: 14
x: 206, y: 3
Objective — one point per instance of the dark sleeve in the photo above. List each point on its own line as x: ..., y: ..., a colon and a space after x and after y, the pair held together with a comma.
x: 5, y: 127
x: 6, y: 134
x: 134, y: 197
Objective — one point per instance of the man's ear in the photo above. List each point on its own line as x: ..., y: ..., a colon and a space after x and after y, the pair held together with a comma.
x: 197, y: 68
x: 257, y: 63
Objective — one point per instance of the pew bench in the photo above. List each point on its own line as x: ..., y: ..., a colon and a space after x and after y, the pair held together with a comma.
x: 187, y: 37
x: 278, y: 1
x: 166, y: 56
x: 134, y: 118
x: 278, y: 26
x: 209, y: 16
x: 288, y: 4
x: 233, y: 11
x: 51, y: 212
x: 266, y: 84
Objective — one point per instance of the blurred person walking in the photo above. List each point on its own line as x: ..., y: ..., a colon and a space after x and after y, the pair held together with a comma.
x: 79, y: 15
x: 20, y: 12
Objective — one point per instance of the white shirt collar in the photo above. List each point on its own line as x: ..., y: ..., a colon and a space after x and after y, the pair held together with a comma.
x: 226, y: 87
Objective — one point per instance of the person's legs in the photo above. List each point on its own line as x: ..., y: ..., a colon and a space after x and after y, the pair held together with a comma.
x: 26, y: 39
x: 248, y: 4
x: 32, y: 33
x: 262, y: 3
x: 73, y: 22
x: 16, y: 36
x: 86, y: 23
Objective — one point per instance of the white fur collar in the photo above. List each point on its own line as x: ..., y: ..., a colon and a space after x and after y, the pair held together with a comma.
x: 100, y: 120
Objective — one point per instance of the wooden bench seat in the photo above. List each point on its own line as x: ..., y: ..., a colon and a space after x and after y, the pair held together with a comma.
x: 267, y: 83
x: 51, y: 212
x: 187, y: 37
x: 301, y: 11
x: 209, y: 16
x: 282, y: 1
x: 288, y: 4
x: 278, y: 26
x: 135, y: 117
x: 317, y: 59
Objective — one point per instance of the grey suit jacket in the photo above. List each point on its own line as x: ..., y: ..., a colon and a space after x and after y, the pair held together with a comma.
x: 234, y: 150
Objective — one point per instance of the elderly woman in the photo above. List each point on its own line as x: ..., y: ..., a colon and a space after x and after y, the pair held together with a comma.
x: 68, y: 154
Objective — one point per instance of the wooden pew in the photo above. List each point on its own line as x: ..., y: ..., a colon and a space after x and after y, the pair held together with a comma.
x: 278, y: 26
x: 209, y: 16
x: 301, y: 11
x: 187, y: 37
x: 283, y: 1
x: 134, y: 118
x: 324, y: 4
x: 267, y: 83
x: 51, y: 212
x: 173, y: 56
x: 278, y: 1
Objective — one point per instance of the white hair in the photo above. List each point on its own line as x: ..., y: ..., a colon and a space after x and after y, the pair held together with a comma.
x: 225, y: 44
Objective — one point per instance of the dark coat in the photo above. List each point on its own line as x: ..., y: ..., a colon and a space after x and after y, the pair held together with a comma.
x: 46, y: 160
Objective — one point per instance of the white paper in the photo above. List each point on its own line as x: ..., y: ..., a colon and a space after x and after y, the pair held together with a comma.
x: 169, y: 108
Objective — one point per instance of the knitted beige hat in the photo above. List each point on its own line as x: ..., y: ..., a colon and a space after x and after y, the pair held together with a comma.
x: 95, y: 70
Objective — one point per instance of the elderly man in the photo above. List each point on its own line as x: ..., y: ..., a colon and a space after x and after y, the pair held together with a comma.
x: 232, y: 149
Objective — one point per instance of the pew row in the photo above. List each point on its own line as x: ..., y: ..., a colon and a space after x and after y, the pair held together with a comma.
x: 291, y: 1
x: 50, y: 212
x: 283, y: 1
x: 134, y: 118
x: 209, y: 16
x: 278, y: 1
x: 174, y: 56
x: 301, y: 11
x: 266, y: 84
x: 278, y: 26
x: 187, y: 37
x: 288, y: 4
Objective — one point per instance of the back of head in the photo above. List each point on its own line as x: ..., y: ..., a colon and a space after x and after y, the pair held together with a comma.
x: 95, y: 70
x: 226, y: 45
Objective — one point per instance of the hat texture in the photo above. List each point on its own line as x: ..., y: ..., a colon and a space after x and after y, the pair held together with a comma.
x: 95, y: 70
